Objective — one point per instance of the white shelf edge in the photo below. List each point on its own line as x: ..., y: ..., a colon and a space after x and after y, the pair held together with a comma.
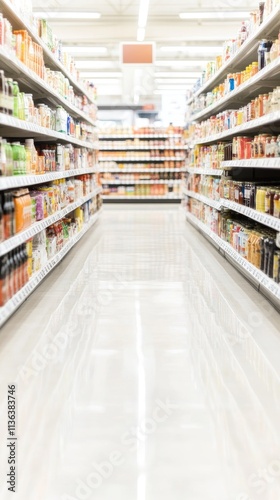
x: 205, y: 171
x: 253, y: 38
x: 15, y: 302
x: 43, y: 85
x: 267, y: 220
x: 143, y: 197
x: 255, y: 163
x: 120, y: 182
x: 20, y: 19
x: 139, y: 136
x: 266, y: 285
x: 135, y: 170
x: 199, y: 197
x: 150, y: 159
x: 13, y: 122
x: 10, y: 182
x: 244, y: 127
x: 19, y: 238
x: 135, y: 148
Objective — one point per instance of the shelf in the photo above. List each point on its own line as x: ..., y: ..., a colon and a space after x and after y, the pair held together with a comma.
x: 17, y: 19
x: 207, y: 201
x: 204, y: 171
x: 267, y: 220
x: 143, y: 197
x: 13, y: 127
x: 244, y: 55
x: 13, y: 304
x: 152, y: 159
x: 253, y: 163
x: 116, y: 169
x: 253, y: 86
x: 19, y: 238
x: 135, y: 148
x: 248, y: 127
x: 264, y: 284
x: 14, y: 68
x: 120, y: 182
x: 140, y: 136
x: 30, y: 180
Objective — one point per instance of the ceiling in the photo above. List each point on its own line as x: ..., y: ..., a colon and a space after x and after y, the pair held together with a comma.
x: 182, y: 46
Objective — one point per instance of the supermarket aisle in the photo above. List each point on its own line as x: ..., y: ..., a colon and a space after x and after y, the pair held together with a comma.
x: 146, y: 370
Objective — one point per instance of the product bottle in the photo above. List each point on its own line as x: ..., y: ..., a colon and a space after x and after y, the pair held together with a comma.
x: 10, y: 97
x: 2, y: 92
x: 1, y: 221
x: 3, y: 280
x: 15, y: 99
x: 6, y: 216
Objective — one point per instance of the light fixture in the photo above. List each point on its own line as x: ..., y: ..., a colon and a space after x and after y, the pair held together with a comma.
x: 143, y: 13
x: 192, y: 48
x: 182, y: 74
x: 67, y: 15
x: 141, y: 34
x: 100, y: 74
x: 175, y: 80
x: 85, y: 50
x: 142, y: 19
x: 170, y: 91
x: 180, y: 63
x: 94, y: 64
x: 214, y: 15
x: 173, y: 87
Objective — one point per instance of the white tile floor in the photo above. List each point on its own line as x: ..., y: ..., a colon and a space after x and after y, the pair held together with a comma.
x: 146, y: 368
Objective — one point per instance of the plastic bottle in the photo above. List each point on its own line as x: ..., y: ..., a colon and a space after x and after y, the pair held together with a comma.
x: 16, y: 158
x: 15, y: 99
x: 32, y: 156
x: 2, y: 92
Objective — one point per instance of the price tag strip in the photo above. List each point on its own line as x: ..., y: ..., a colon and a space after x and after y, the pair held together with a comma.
x: 267, y: 220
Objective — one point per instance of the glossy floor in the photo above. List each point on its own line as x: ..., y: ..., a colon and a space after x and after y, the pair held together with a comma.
x: 146, y: 368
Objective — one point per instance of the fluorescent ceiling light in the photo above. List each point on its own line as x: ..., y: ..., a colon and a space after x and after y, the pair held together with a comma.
x: 174, y: 87
x: 185, y: 74
x: 170, y: 91
x: 100, y: 74
x: 94, y: 64
x: 104, y: 81
x: 67, y: 15
x: 143, y: 13
x: 187, y: 62
x: 175, y: 80
x: 141, y: 34
x: 192, y: 48
x: 214, y: 15
x: 85, y: 50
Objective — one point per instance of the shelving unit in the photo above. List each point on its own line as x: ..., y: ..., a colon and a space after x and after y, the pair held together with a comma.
x: 263, y: 283
x: 243, y: 170
x: 11, y: 128
x: 149, y: 153
x: 245, y: 54
x: 15, y: 302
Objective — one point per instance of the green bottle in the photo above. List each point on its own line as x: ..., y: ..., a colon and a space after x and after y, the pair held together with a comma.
x: 16, y: 99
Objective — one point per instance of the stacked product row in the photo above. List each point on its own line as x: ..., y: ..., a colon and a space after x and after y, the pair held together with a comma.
x: 21, y: 208
x: 19, y: 265
x: 21, y: 105
x: 49, y: 190
x: 18, y: 158
x: 19, y: 44
x: 262, y: 196
x: 233, y: 183
x: 160, y: 158
x: 252, y: 241
x: 232, y: 46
